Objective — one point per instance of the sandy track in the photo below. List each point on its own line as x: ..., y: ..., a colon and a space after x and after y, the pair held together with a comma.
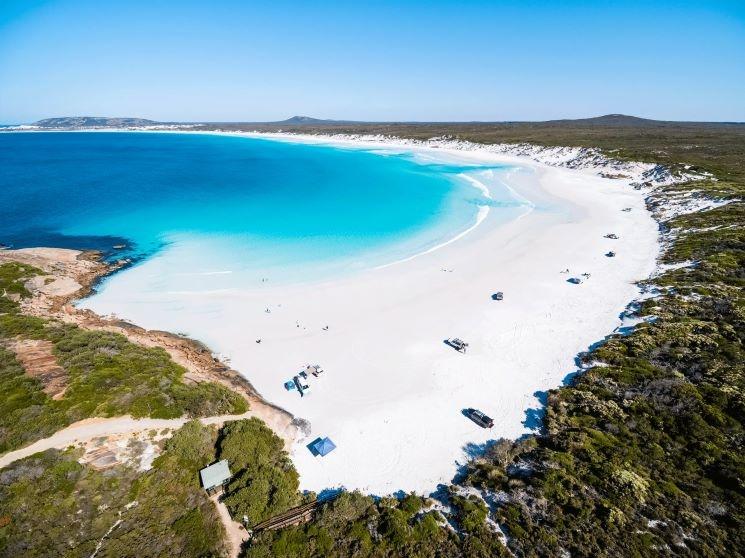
x: 88, y: 429
x: 236, y: 533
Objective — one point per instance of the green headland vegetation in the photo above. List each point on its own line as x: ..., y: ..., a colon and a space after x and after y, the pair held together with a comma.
x: 105, y: 375
x: 52, y: 505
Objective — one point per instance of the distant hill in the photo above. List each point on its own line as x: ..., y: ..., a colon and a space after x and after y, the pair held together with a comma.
x: 625, y: 121
x: 93, y: 122
x: 308, y: 121
x: 622, y: 120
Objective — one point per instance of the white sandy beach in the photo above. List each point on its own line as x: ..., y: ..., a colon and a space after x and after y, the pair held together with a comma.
x: 392, y: 394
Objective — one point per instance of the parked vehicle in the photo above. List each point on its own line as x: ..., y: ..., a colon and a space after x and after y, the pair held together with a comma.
x: 458, y: 344
x: 479, y: 418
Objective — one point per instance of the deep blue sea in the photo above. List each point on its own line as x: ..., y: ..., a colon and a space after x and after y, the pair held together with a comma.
x: 267, y: 205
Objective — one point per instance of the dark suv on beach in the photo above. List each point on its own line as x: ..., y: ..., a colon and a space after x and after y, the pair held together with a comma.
x: 479, y: 418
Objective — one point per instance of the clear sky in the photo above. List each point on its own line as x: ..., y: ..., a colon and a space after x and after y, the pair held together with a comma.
x: 376, y: 60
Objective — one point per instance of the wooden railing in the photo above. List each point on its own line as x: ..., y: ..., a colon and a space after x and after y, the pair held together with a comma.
x: 295, y: 516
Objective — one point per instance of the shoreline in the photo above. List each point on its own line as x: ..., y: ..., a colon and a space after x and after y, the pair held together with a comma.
x: 360, y: 329
x: 480, y: 216
x: 75, y: 274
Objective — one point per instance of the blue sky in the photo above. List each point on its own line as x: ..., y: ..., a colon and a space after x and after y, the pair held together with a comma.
x: 375, y: 60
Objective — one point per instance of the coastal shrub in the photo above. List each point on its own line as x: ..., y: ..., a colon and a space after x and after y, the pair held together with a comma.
x: 59, y: 507
x: 648, y: 448
x: 173, y: 515
x: 15, y: 324
x: 353, y: 524
x: 112, y: 376
x: 471, y: 512
x: 394, y: 527
x: 208, y: 399
x: 13, y: 278
x: 192, y: 447
x: 264, y: 481
x: 26, y: 412
x: 107, y: 375
x: 56, y: 506
x: 8, y: 306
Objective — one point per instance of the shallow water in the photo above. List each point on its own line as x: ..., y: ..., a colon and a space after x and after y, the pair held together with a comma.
x: 264, y: 209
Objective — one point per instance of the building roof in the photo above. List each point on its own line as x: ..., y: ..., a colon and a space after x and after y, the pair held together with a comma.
x: 215, y: 475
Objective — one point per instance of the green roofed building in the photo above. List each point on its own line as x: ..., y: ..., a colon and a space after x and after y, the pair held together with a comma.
x: 215, y: 475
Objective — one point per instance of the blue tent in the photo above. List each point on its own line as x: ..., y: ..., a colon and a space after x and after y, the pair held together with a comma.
x: 322, y: 446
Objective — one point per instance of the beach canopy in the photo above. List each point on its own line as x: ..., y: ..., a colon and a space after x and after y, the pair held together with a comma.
x: 323, y: 446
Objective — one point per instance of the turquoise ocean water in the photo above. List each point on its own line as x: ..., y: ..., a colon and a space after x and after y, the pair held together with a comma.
x: 265, y: 208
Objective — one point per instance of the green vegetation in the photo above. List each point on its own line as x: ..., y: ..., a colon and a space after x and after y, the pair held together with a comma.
x: 54, y: 506
x: 173, y: 516
x: 264, y: 481
x: 110, y: 376
x: 51, y: 505
x: 644, y: 454
x: 356, y: 525
x: 265, y: 484
x: 106, y: 376
x: 13, y: 277
x: 165, y: 512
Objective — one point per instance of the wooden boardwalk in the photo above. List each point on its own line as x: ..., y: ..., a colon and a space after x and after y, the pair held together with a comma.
x: 295, y: 516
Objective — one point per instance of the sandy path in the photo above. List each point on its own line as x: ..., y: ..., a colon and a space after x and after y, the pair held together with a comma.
x: 236, y: 533
x: 88, y: 429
